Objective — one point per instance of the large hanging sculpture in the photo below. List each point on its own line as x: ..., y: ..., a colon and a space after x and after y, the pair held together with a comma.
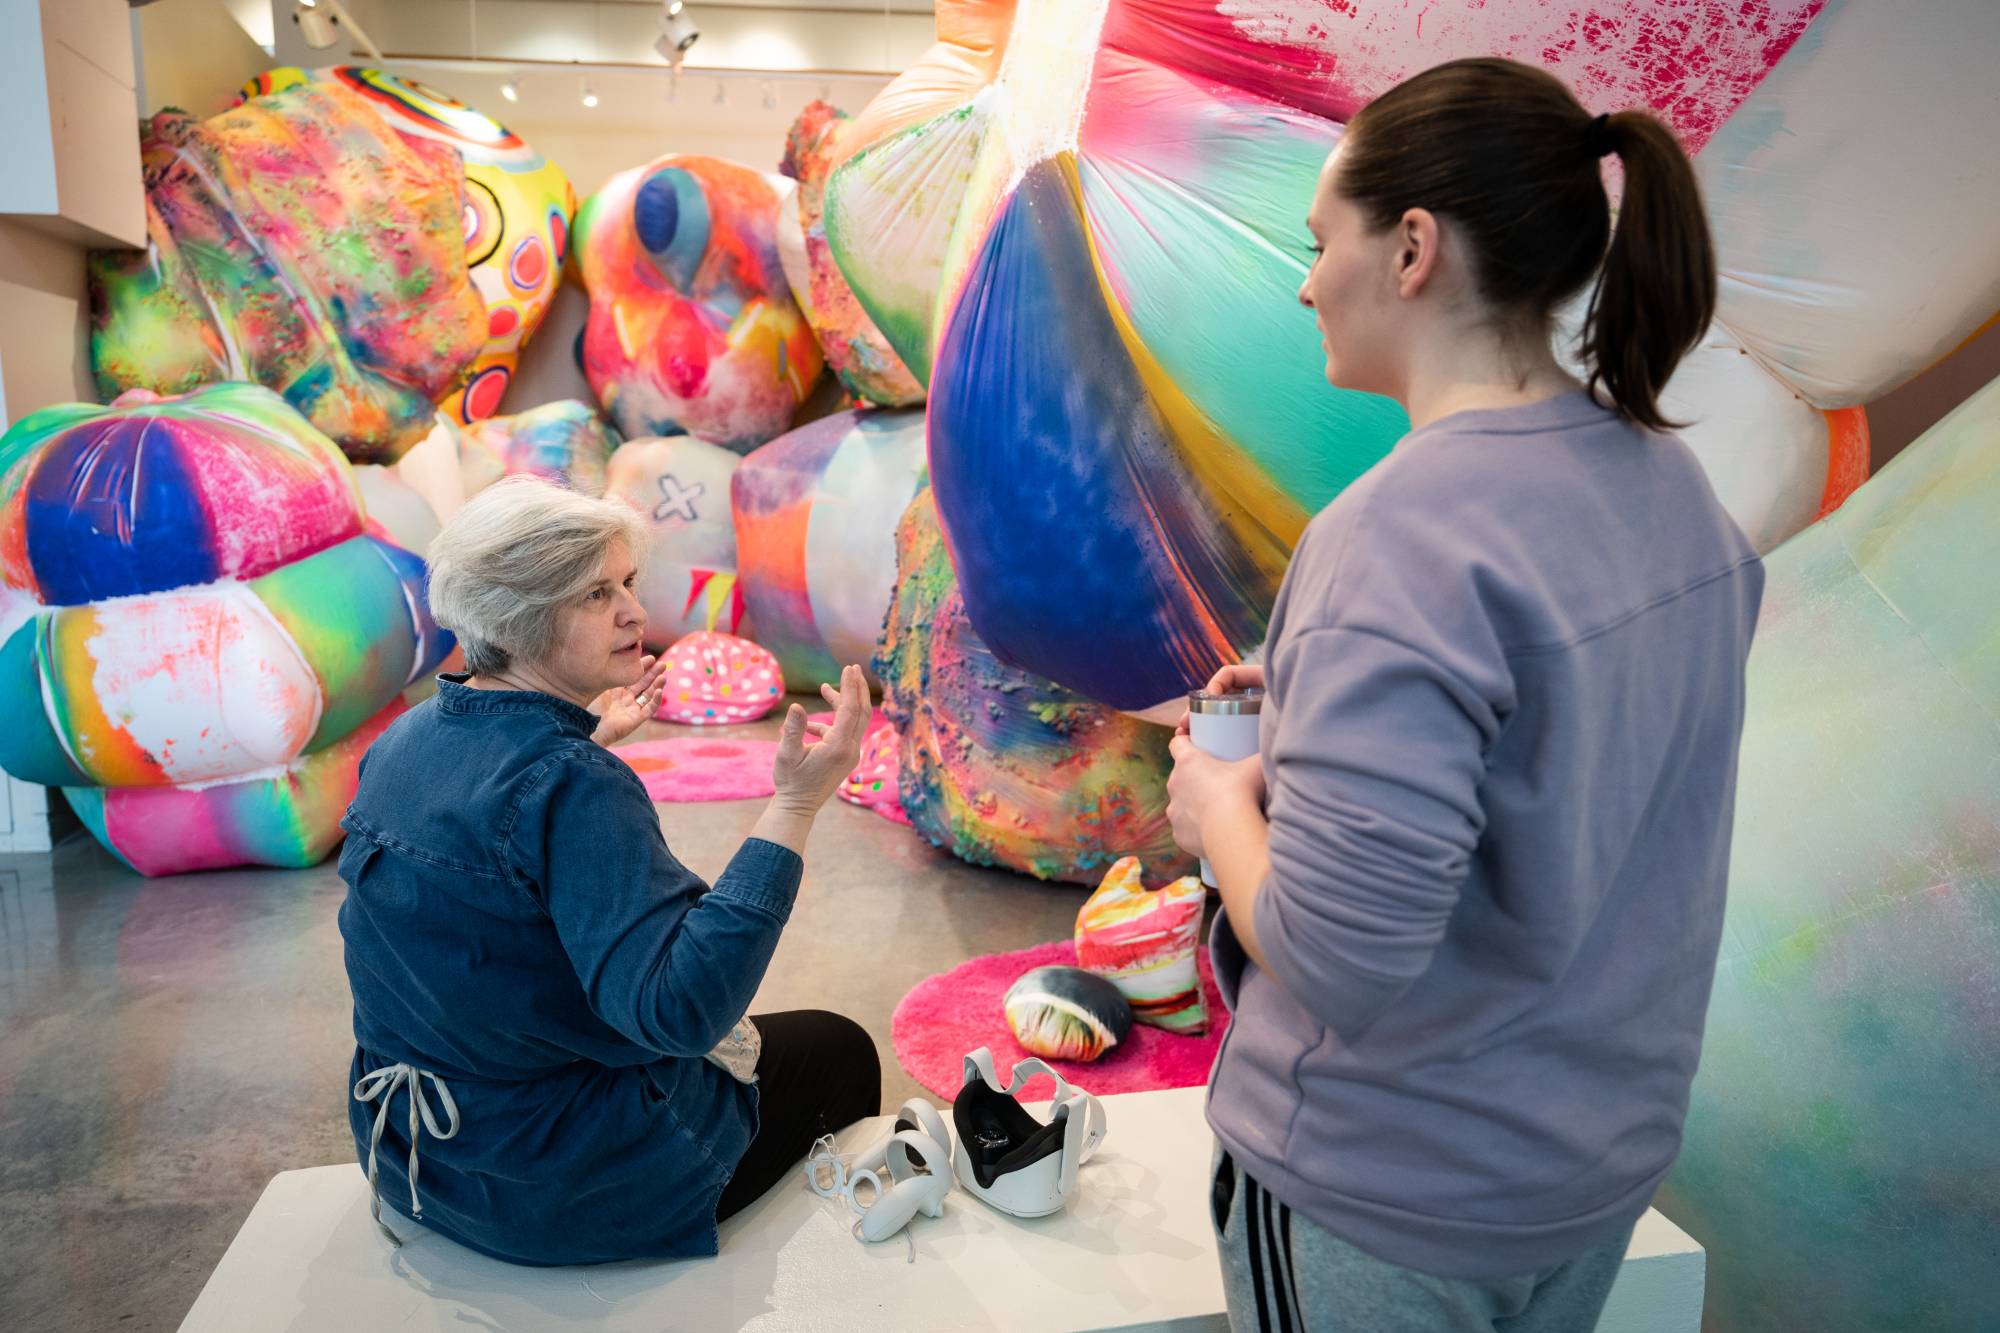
x: 816, y: 537
x: 298, y: 242
x: 1090, y: 251
x: 1003, y: 768
x: 855, y: 349
x: 1840, y: 1162
x: 518, y: 208
x: 206, y: 609
x: 692, y: 327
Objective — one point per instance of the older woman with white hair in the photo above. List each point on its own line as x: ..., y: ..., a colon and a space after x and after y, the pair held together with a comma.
x: 560, y: 1004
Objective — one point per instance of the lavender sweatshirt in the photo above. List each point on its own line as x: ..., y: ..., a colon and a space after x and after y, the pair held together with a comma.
x: 1505, y: 692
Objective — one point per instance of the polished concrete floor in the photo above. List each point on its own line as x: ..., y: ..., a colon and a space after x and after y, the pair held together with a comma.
x: 167, y: 1046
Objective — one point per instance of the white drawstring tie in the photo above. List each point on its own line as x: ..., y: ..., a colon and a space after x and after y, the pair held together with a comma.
x: 382, y: 1083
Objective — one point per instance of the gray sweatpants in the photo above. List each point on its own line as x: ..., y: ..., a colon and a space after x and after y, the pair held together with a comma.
x: 1282, y: 1272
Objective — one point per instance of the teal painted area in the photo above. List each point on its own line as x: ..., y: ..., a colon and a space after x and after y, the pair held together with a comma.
x: 88, y: 802
x: 1839, y: 1155
x: 1208, y: 268
x: 29, y: 747
x: 346, y: 610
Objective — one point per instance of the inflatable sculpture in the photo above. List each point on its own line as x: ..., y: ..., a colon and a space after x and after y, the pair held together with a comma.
x: 291, y: 818
x: 692, y: 328
x: 687, y: 577
x: 855, y: 349
x: 518, y: 207
x: 1090, y: 249
x: 816, y: 537
x: 208, y: 610
x: 1840, y: 1159
x: 298, y: 242
x: 564, y: 441
x: 1002, y: 768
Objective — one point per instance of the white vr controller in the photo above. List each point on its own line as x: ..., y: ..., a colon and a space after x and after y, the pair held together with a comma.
x: 917, y: 1158
x: 1003, y: 1155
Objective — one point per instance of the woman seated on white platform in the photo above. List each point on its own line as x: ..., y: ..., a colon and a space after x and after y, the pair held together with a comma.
x: 557, y: 1000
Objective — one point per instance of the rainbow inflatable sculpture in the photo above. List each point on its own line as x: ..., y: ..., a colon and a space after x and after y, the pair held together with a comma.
x: 518, y: 207
x: 687, y: 576
x: 207, y: 610
x: 855, y: 349
x: 692, y: 327
x: 1089, y: 249
x: 816, y: 540
x: 564, y: 441
x: 1840, y: 1160
x: 298, y: 242
x: 999, y: 767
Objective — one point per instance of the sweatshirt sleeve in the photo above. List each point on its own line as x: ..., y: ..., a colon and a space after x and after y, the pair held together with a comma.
x: 1376, y: 760
x: 667, y: 961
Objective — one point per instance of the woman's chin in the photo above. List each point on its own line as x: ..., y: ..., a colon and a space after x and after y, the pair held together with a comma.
x: 623, y: 669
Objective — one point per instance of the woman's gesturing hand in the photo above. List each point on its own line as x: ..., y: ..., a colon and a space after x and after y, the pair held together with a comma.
x: 621, y: 709
x: 805, y: 776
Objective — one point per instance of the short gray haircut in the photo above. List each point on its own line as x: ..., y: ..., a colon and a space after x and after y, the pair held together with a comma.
x: 513, y: 557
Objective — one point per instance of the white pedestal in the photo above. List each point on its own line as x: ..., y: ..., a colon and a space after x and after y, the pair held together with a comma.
x: 1135, y: 1253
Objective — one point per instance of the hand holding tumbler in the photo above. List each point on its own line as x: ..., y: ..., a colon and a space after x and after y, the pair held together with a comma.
x: 1223, y: 723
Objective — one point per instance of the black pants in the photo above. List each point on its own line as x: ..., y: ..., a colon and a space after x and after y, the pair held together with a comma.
x: 818, y: 1073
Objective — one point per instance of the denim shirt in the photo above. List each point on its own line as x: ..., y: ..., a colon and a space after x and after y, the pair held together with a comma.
x: 515, y: 925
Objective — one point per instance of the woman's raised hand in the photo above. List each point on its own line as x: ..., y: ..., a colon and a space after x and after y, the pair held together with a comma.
x: 622, y: 709
x: 805, y: 776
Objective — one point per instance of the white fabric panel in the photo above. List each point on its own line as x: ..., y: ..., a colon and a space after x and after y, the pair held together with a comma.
x: 1854, y: 196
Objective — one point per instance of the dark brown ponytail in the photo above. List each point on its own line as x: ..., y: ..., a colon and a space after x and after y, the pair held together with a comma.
x: 1512, y: 159
x: 1656, y: 291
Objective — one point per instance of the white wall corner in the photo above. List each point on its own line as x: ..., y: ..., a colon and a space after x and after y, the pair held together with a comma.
x: 24, y: 817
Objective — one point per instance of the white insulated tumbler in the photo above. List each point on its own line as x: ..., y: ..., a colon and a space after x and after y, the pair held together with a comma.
x: 1224, y: 725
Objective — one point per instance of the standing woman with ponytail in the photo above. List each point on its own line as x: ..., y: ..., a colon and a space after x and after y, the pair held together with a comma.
x: 1473, y: 885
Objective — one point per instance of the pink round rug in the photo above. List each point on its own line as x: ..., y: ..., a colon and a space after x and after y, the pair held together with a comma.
x: 959, y: 1011
x: 702, y: 768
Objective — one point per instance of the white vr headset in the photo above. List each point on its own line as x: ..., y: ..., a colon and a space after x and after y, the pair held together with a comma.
x: 1004, y: 1156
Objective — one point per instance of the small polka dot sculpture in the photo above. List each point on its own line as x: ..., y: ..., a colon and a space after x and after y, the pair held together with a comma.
x: 716, y: 679
x: 198, y: 619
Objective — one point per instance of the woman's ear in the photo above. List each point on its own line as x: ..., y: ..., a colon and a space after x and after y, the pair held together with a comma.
x: 1418, y: 243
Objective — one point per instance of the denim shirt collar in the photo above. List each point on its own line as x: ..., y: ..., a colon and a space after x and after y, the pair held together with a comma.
x: 455, y: 696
